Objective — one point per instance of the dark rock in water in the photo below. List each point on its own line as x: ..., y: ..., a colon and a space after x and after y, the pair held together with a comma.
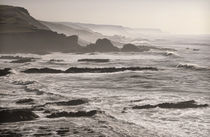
x: 18, y: 59
x: 178, y: 105
x: 35, y: 90
x: 11, y: 57
x: 107, y: 70
x: 130, y: 48
x: 101, y: 45
x: 72, y: 102
x: 1, y: 108
x: 56, y: 60
x: 25, y: 101
x: 42, y: 134
x: 144, y: 107
x: 73, y: 114
x: 94, y: 60
x: 15, y: 115
x: 4, y: 72
x: 139, y: 100
x: 42, y: 70
x: 88, y: 70
x: 196, y: 49
x: 23, y: 60
x: 62, y: 131
x: 38, y: 108
x: 184, y: 104
x: 23, y: 82
x: 9, y: 133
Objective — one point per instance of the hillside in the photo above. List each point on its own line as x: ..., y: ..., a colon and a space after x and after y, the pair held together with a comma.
x: 21, y: 33
x: 111, y: 30
x: 85, y: 35
x: 18, y: 19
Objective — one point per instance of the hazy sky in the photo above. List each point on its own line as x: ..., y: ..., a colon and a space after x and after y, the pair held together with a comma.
x: 175, y: 16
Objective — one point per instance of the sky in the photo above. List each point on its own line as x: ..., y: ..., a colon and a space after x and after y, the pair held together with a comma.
x: 173, y: 16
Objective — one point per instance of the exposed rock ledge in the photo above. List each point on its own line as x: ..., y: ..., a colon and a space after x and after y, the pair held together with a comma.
x: 15, y: 115
x: 178, y: 105
x: 73, y: 114
x: 4, y: 72
x: 88, y: 70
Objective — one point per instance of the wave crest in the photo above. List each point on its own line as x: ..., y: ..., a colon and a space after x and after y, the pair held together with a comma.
x: 192, y: 66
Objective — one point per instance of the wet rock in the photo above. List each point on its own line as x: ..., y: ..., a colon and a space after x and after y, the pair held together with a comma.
x: 62, y: 131
x: 38, y: 108
x: 184, y: 104
x: 196, y: 49
x: 94, y: 60
x: 47, y: 111
x: 89, y: 70
x: 11, y: 57
x: 23, y: 60
x: 72, y: 102
x: 178, y: 105
x: 138, y: 100
x: 23, y: 82
x: 15, y: 115
x: 73, y: 114
x: 35, y: 90
x: 107, y: 70
x: 75, y: 132
x: 4, y: 72
x: 42, y: 70
x: 2, y: 108
x: 56, y: 60
x: 42, y: 134
x: 144, y: 107
x: 9, y: 133
x: 25, y: 101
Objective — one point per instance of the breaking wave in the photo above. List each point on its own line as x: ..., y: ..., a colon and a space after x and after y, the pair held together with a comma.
x: 170, y: 53
x: 192, y: 66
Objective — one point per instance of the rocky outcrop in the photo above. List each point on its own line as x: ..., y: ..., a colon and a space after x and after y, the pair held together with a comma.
x: 73, y: 114
x: 71, y: 102
x: 24, y: 60
x: 25, y: 101
x: 94, y: 60
x: 62, y: 131
x: 178, y: 105
x: 42, y: 70
x: 107, y: 70
x: 15, y: 115
x: 88, y: 70
x: 10, y: 133
x: 4, y: 72
x: 11, y: 57
x: 101, y: 45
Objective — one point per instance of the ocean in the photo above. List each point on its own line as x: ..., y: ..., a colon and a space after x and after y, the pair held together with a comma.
x: 183, y: 75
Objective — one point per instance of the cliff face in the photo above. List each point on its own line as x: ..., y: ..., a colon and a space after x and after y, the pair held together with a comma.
x: 21, y: 33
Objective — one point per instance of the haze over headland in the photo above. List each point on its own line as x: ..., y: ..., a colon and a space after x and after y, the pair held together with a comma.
x: 180, y: 16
